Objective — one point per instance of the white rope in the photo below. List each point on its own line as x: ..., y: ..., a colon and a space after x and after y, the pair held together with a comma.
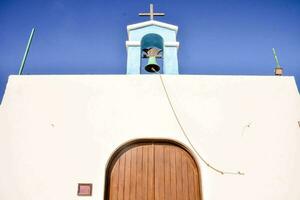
x: 187, y: 137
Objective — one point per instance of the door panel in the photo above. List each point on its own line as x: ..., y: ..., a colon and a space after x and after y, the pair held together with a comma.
x: 154, y: 171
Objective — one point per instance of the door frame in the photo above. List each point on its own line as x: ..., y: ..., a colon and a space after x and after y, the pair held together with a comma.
x: 127, y: 145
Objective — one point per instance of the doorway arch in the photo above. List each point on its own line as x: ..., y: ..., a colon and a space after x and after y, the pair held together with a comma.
x: 152, y: 170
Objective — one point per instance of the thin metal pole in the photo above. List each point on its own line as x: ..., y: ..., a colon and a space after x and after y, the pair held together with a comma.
x: 276, y: 59
x: 26, y: 52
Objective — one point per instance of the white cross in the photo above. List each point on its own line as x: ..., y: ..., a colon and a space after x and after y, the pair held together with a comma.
x: 151, y: 13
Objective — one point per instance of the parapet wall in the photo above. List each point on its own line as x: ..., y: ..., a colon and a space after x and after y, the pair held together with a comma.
x: 58, y: 131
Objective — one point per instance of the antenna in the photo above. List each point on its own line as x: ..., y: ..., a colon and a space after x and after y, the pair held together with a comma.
x: 278, y: 70
x: 276, y: 59
x: 26, y: 52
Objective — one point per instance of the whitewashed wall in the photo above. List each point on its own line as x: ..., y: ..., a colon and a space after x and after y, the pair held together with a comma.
x: 57, y: 131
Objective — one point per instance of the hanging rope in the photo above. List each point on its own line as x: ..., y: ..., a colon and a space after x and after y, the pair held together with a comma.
x: 187, y: 137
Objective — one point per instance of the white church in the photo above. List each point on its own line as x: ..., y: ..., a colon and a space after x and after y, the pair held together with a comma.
x: 151, y: 134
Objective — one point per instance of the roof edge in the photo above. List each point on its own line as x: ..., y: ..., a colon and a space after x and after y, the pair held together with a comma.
x: 152, y: 22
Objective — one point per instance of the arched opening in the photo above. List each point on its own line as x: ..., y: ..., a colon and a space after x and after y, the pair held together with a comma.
x: 152, y: 46
x: 152, y: 170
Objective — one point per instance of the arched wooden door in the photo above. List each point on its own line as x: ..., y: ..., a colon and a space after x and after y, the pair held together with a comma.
x: 153, y: 171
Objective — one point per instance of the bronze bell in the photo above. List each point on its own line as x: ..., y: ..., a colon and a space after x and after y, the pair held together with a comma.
x: 152, y: 65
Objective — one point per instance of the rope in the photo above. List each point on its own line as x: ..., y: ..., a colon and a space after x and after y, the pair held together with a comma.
x: 186, y: 135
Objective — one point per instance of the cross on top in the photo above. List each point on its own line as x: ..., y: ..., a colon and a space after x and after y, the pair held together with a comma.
x: 151, y: 13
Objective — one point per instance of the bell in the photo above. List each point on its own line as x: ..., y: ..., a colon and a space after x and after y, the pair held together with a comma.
x: 152, y: 65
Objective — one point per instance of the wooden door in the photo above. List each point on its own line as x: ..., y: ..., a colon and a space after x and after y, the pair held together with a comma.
x: 153, y: 171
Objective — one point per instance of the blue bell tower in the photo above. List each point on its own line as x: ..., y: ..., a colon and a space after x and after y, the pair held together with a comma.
x: 152, y: 46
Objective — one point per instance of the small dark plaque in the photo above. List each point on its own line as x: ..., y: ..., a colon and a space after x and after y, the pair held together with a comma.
x: 85, y: 189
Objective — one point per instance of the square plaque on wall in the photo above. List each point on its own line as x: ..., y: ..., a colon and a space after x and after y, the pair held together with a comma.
x: 85, y: 189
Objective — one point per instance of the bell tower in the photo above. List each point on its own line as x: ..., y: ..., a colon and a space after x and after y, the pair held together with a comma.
x: 152, y: 46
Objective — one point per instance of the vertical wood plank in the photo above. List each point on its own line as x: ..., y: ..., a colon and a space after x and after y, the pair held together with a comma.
x: 151, y: 163
x: 114, y: 180
x: 133, y: 175
x: 178, y: 174
x: 121, y: 175
x: 192, y: 193
x: 173, y: 184
x: 196, y: 176
x: 127, y: 175
x: 139, y: 171
x: 185, y: 182
x: 145, y: 173
x: 159, y: 172
x: 167, y: 173
x: 197, y: 186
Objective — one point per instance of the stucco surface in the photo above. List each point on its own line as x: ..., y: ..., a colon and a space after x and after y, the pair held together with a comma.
x: 57, y: 131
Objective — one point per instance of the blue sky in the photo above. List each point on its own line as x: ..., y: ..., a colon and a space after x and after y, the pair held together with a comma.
x: 88, y: 37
